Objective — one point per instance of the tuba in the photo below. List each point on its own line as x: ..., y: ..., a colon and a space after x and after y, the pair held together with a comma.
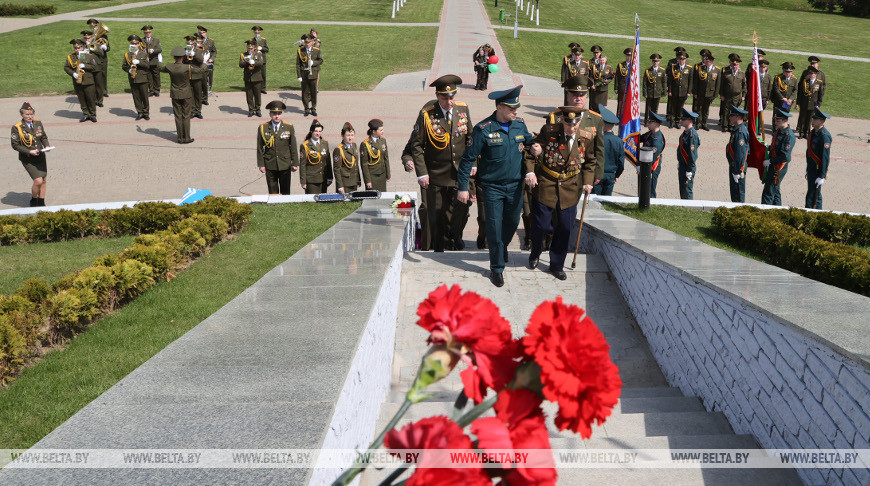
x: 100, y: 34
x: 81, y: 72
x: 133, y: 67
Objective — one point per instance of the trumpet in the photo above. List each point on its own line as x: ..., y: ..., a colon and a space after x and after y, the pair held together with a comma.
x: 133, y: 67
x: 79, y: 70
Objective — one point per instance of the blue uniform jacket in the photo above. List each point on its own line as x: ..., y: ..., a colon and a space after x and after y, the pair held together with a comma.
x: 818, y: 153
x: 655, y: 140
x: 614, y: 155
x: 501, y: 153
x: 687, y: 152
x: 738, y: 149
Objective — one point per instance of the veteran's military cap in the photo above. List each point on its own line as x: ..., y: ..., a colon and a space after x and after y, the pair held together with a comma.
x: 190, y: 37
x: 710, y: 56
x: 198, y: 36
x: 679, y: 48
x: 576, y: 84
x: 736, y: 111
x: 93, y: 21
x: 87, y: 33
x: 817, y: 113
x: 812, y: 70
x: 655, y: 56
x: 734, y: 57
x: 201, y: 28
x: 705, y: 53
x: 813, y: 59
x: 447, y: 85
x: 26, y: 106
x: 788, y: 66
x: 134, y: 38
x: 178, y: 52
x: 761, y: 52
x: 375, y: 123
x: 276, y: 105
x: 571, y: 114
x: 682, y: 55
x: 147, y: 27
x: 627, y: 50
x: 779, y: 113
x: 347, y: 127
x: 686, y: 114
x: 763, y: 62
x: 509, y: 97
x: 577, y: 50
x: 596, y: 48
x: 607, y: 115
x: 77, y: 42
x: 250, y: 43
x: 257, y: 28
x: 655, y: 117
x: 573, y: 45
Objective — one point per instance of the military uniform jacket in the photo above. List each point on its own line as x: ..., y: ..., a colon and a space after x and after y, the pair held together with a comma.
x: 561, y: 172
x: 601, y: 76
x: 733, y: 84
x: 25, y: 139
x: 314, y: 162
x: 211, y: 47
x: 571, y: 68
x: 679, y: 79
x: 302, y: 62
x: 819, y: 77
x: 345, y: 163
x: 439, y: 144
x: 655, y: 140
x: 809, y: 93
x: 766, y: 84
x: 593, y: 123
x: 738, y: 149
x: 687, y: 150
x: 276, y: 149
x: 141, y: 68
x: 818, y: 153
x: 374, y: 160
x: 197, y: 63
x: 654, y: 83
x: 263, y: 47
x: 253, y: 73
x: 783, y: 89
x: 71, y: 65
x: 707, y: 81
x: 621, y: 75
x: 501, y: 153
x: 102, y: 57
x: 153, y: 43
x: 614, y: 155
x: 781, y: 145
x: 179, y: 77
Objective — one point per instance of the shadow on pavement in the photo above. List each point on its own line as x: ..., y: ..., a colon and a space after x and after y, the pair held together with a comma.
x: 166, y: 109
x: 165, y: 135
x: 542, y: 110
x: 68, y: 114
x: 233, y: 110
x: 20, y: 199
x: 122, y: 112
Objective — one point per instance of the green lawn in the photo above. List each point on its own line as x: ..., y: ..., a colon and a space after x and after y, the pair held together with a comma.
x: 730, y: 24
x: 51, y: 391
x: 64, y: 6
x: 346, y: 10
x: 363, y: 57
x: 52, y: 261
x: 524, y: 55
x: 800, y: 5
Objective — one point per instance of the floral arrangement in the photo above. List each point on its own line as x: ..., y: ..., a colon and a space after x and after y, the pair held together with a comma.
x: 402, y: 202
x: 563, y: 358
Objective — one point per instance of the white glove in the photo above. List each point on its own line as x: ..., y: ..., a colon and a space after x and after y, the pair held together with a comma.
x: 637, y: 167
x: 81, y: 65
x: 75, y: 75
x: 259, y: 48
x: 150, y: 51
x: 92, y: 49
x: 104, y: 47
x: 766, y: 163
x: 688, y: 176
x: 299, y: 79
x: 135, y: 62
x: 736, y: 178
x: 251, y: 62
x: 819, y: 181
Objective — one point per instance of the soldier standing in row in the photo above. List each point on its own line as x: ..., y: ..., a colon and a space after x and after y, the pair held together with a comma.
x: 818, y: 158
x: 654, y: 86
x: 251, y: 62
x: 262, y: 48
x: 621, y: 77
x: 373, y: 158
x: 687, y: 154
x: 194, y: 56
x: 100, y: 76
x: 696, y: 69
x: 655, y: 139
x: 96, y: 50
x: 137, y: 66
x: 784, y: 88
x: 211, y: 47
x: 276, y: 149
x: 679, y: 87
x: 809, y: 92
x: 820, y: 76
x: 614, y: 154
x: 574, y: 65
x: 155, y: 58
x: 82, y: 66
x: 345, y: 160
x: 181, y: 92
x: 766, y: 82
x: 781, y: 145
x: 737, y: 152
x: 308, y: 61
x: 602, y: 76
x: 708, y: 78
x: 315, y: 169
x: 733, y: 90
x: 28, y: 139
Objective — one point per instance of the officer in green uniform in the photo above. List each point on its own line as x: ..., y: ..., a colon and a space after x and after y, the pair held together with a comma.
x: 687, y: 154
x: 736, y: 152
x: 28, y: 139
x: 620, y: 79
x: 782, y: 94
x: 602, y: 75
x: 210, y: 45
x: 707, y: 82
x: 373, y: 158
x: 733, y: 89
x: 100, y: 76
x: 655, y: 139
x: 81, y: 67
x: 180, y: 92
x: 705, y: 54
x: 96, y: 49
x: 766, y: 81
x: 574, y: 65
x: 781, y: 145
x: 654, y: 86
x: 194, y: 56
x: 565, y: 169
x: 308, y: 61
x: 155, y: 57
x: 262, y: 48
x: 818, y: 158
x: 441, y: 133
x: 137, y: 66
x: 345, y: 158
x: 315, y: 172
x: 614, y: 154
x: 679, y: 86
x: 201, y: 48
x: 820, y: 76
x: 251, y: 62
x: 499, y: 141
x: 277, y: 150
x: 809, y: 91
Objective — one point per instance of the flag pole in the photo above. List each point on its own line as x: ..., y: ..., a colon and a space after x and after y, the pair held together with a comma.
x: 759, y: 121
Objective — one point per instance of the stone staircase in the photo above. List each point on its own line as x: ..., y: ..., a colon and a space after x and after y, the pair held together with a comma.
x: 649, y: 415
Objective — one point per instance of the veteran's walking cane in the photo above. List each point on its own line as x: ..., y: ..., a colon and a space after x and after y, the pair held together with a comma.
x: 579, y: 231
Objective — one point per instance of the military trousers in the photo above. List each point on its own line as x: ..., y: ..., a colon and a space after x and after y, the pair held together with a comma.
x: 140, y: 98
x: 675, y: 105
x: 278, y: 181
x: 598, y: 97
x: 652, y: 106
x: 560, y: 221
x: 379, y: 182
x: 100, y: 84
x: 263, y: 71
x: 87, y: 96
x: 605, y: 185
x: 813, y: 192
x: 445, y: 214
x: 503, y: 203
x: 703, y: 110
x: 737, y: 189
x: 252, y: 94
x: 309, y: 93
x: 686, y: 185
x: 206, y: 84
x: 725, y: 108
x: 210, y: 78
x: 654, y: 180
x: 316, y: 187
x: 181, y: 110
x: 770, y: 194
x: 154, y: 78
x: 197, y: 86
x: 803, y: 125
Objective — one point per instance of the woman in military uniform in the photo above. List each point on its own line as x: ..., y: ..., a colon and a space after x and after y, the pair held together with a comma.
x: 28, y: 139
x: 345, y: 162
x: 316, y: 172
x: 373, y: 157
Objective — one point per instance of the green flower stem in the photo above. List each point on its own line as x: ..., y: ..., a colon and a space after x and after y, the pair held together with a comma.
x: 348, y: 475
x: 395, y: 475
x: 477, y: 411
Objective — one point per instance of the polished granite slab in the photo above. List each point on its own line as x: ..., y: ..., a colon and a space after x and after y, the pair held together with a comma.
x: 836, y: 317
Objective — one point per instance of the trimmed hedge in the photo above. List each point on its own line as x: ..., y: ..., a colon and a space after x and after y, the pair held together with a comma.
x: 13, y: 9
x: 836, y: 228
x: 764, y: 232
x: 40, y: 314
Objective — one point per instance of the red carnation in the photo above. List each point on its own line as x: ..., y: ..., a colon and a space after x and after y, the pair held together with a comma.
x: 576, y: 370
x: 472, y: 327
x: 433, y: 433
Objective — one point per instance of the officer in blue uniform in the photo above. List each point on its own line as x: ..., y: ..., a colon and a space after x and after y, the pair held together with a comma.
x: 736, y: 152
x: 687, y: 153
x: 818, y: 158
x: 656, y: 139
x: 500, y: 141
x: 781, y: 145
x: 614, y: 154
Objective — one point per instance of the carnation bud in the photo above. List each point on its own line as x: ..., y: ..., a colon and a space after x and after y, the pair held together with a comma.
x: 528, y: 376
x: 435, y: 366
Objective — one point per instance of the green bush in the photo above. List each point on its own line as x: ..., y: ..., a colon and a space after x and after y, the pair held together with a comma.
x: 63, y: 313
x: 64, y: 283
x: 192, y: 243
x: 14, y: 9
x: 23, y: 315
x: 837, y: 228
x: 132, y: 277
x: 211, y: 227
x: 764, y: 233
x: 158, y: 256
x: 13, y: 234
x: 35, y: 290
x: 233, y: 212
x: 100, y: 280
x: 107, y: 260
x: 13, y: 349
x: 855, y: 8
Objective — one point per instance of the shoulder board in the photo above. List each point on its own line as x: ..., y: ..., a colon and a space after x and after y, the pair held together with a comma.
x: 428, y: 108
x: 591, y: 112
x: 483, y: 124
x: 461, y: 103
x: 267, y: 123
x: 519, y: 119
x: 19, y: 124
x: 315, y: 47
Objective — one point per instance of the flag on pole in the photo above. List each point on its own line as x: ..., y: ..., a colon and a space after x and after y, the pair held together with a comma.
x: 629, y: 119
x: 757, y: 149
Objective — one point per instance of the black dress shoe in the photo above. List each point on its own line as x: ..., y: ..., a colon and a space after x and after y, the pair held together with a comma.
x: 94, y: 119
x: 481, y: 242
x: 191, y: 140
x: 84, y: 119
x: 458, y: 244
x: 263, y: 91
x: 40, y: 201
x: 34, y: 202
x: 138, y: 117
x: 198, y: 115
x: 497, y: 279
x: 250, y: 114
x: 105, y: 95
x: 146, y: 117
x: 525, y: 245
x: 157, y: 95
x: 100, y: 105
x: 533, y: 262
x: 313, y: 112
x: 259, y: 113
x: 307, y: 112
x: 560, y: 274
x: 205, y: 102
